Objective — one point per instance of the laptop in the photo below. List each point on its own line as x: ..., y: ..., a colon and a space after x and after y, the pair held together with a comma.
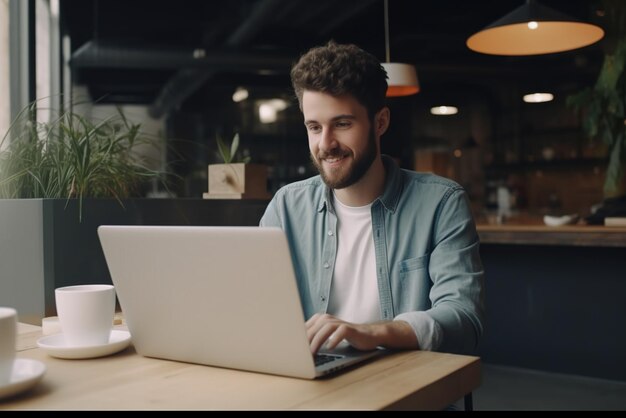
x: 218, y: 296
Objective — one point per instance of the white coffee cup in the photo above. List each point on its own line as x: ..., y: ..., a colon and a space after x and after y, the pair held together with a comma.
x: 8, y: 331
x: 86, y: 313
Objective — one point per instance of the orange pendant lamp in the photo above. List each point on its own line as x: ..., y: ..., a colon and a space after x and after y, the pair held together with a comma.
x: 401, y: 78
x: 534, y: 29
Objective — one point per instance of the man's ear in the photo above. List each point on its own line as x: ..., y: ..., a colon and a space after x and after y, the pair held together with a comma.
x: 381, y: 120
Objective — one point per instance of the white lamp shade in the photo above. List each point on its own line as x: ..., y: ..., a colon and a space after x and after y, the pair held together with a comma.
x: 402, y: 79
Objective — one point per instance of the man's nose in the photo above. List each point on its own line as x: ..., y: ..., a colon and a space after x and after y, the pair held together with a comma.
x: 328, y: 141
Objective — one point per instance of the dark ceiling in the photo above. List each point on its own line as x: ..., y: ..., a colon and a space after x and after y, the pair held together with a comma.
x: 161, y: 53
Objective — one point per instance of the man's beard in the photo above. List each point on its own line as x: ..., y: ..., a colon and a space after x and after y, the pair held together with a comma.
x: 355, y: 172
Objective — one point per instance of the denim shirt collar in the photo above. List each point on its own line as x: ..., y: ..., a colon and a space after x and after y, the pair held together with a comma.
x: 390, y: 196
x: 393, y: 184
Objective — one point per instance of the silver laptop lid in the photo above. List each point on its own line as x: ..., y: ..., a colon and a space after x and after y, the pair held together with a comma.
x: 222, y: 296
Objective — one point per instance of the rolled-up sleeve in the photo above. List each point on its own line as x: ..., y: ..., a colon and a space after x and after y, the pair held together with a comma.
x: 426, y: 329
x: 457, y: 273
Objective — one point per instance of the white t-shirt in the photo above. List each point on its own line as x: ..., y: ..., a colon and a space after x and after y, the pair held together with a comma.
x: 354, y: 289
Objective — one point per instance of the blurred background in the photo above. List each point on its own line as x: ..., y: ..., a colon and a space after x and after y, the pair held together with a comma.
x: 194, y: 69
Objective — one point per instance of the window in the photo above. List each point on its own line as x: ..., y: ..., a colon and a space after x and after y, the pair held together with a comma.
x: 42, y: 60
x: 5, y: 85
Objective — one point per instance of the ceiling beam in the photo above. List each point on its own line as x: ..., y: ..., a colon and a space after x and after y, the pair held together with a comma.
x: 188, y: 80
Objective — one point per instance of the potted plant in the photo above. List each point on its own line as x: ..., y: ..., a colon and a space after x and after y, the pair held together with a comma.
x: 72, y: 157
x: 603, y: 106
x: 235, y: 177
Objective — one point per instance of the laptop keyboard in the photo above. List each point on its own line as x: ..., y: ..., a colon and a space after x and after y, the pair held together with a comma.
x: 324, y: 358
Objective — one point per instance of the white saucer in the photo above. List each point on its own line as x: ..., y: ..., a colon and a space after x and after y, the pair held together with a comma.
x: 26, y: 373
x: 56, y: 346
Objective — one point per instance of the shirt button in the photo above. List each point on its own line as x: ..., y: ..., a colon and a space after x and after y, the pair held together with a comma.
x: 326, y: 265
x: 330, y: 233
x: 323, y: 298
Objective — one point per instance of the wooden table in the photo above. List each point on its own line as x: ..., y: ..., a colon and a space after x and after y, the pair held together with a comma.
x: 127, y: 381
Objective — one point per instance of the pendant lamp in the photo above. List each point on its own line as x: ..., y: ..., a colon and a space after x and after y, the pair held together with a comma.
x: 534, y: 29
x: 401, y: 78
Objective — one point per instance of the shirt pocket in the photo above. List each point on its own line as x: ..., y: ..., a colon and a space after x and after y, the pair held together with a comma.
x: 415, y: 284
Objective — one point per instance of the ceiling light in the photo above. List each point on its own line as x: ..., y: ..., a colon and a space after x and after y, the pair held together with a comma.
x: 268, y: 109
x: 444, y: 110
x: 267, y: 113
x: 534, y: 29
x: 401, y: 78
x: 538, y: 97
x: 240, y: 94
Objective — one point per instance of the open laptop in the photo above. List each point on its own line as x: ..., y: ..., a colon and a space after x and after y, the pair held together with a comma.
x: 220, y: 296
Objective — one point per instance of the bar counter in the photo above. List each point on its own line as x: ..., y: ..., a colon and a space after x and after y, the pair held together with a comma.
x: 555, y: 297
x: 567, y: 235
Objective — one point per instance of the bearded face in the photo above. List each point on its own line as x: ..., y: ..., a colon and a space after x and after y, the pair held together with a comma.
x: 344, y: 168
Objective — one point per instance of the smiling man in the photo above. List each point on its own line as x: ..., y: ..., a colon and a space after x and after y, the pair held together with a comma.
x: 383, y: 256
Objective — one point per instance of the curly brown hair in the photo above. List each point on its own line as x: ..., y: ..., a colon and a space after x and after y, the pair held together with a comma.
x: 339, y: 69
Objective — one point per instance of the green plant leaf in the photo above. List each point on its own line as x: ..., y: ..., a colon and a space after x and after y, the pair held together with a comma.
x: 223, y: 150
x: 603, y: 108
x: 229, y: 154
x: 612, y: 69
x: 615, y: 169
x: 234, y: 145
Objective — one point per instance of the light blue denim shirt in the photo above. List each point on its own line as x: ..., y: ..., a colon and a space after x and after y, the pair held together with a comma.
x: 428, y: 264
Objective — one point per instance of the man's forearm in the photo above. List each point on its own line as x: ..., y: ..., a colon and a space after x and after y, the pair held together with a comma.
x: 396, y: 334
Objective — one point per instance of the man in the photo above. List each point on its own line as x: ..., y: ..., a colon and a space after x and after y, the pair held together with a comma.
x: 383, y: 256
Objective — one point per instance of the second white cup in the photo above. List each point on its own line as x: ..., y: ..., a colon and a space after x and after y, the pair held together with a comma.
x: 8, y: 327
x: 86, y: 313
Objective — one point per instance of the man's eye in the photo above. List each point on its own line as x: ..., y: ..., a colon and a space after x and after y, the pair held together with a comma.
x: 313, y: 128
x: 343, y: 124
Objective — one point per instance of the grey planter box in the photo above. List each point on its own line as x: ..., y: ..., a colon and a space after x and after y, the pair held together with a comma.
x: 44, y: 246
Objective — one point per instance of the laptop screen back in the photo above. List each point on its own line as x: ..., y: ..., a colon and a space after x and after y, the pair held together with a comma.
x: 222, y: 296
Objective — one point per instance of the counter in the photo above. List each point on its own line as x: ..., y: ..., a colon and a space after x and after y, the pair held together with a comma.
x: 555, y: 298
x: 569, y: 235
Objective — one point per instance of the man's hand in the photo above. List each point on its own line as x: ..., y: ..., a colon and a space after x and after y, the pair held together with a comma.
x: 326, y: 329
